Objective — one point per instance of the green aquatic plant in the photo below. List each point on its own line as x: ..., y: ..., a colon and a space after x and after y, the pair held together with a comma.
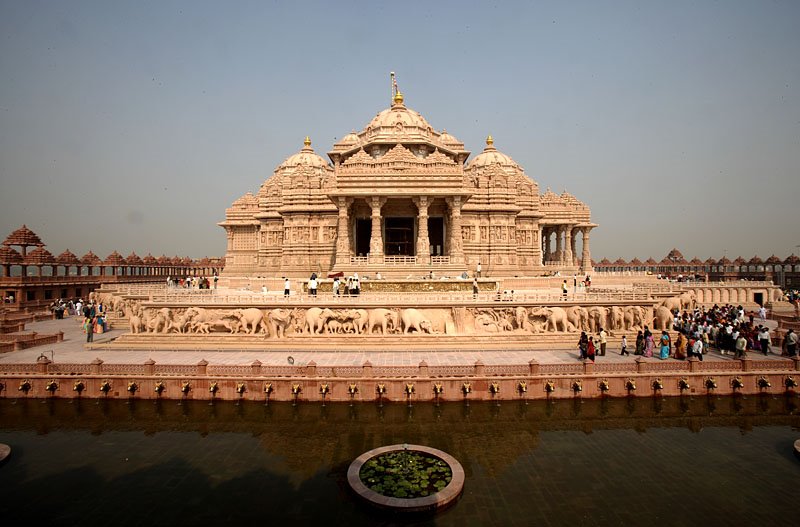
x: 406, y: 474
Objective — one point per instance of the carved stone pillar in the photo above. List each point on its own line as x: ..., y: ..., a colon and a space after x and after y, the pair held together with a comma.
x: 423, y: 240
x: 572, y: 248
x: 376, y: 235
x: 229, y: 235
x: 545, y: 245
x: 342, y: 232
x: 586, y: 263
x: 569, y: 246
x: 559, y: 245
x: 456, y: 245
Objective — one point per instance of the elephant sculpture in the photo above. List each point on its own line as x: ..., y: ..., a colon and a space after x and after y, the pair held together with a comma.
x: 688, y: 300
x: 556, y: 319
x: 672, y: 303
x: 578, y: 317
x: 662, y: 319
x: 414, y: 319
x: 386, y: 319
x: 355, y: 319
x: 134, y: 321
x: 250, y: 319
x: 317, y: 318
x: 597, y: 318
x: 279, y: 320
x: 634, y: 317
x: 616, y: 318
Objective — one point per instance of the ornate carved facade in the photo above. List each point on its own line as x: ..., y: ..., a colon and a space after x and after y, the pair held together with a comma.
x: 402, y: 198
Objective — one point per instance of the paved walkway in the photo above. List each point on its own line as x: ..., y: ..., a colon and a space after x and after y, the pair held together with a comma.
x: 72, y: 351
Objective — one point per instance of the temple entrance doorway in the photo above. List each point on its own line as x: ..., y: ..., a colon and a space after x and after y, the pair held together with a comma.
x: 399, y: 237
x: 363, y: 233
x: 436, y: 235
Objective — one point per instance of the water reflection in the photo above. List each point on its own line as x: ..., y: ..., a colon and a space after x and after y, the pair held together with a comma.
x: 232, y: 460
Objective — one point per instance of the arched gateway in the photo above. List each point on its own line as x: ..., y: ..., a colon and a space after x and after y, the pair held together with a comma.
x: 401, y: 198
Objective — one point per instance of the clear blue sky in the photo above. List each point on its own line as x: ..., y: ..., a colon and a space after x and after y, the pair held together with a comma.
x: 133, y: 125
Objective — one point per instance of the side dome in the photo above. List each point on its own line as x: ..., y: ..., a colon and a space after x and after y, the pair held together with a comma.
x: 305, y: 157
x: 350, y: 139
x: 491, y: 156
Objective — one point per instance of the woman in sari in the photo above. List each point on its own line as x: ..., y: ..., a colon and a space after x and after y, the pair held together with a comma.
x: 583, y: 344
x: 664, y: 343
x: 639, y: 344
x: 649, y: 345
x: 590, y: 349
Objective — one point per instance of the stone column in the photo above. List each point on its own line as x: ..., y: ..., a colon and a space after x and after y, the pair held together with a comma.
x: 559, y: 245
x: 456, y: 245
x: 568, y: 246
x: 574, y: 252
x: 342, y: 232
x: 376, y: 235
x: 545, y: 244
x: 586, y: 264
x: 423, y: 240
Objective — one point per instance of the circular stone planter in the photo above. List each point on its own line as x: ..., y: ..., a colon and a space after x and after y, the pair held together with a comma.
x: 435, y: 501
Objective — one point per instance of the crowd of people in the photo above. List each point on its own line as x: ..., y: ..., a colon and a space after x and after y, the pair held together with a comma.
x: 93, y: 314
x: 728, y: 329
x: 192, y: 282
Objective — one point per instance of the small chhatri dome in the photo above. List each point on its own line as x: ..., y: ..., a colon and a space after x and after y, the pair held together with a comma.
x: 351, y: 138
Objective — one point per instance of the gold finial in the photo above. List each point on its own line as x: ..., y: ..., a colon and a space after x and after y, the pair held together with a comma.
x: 489, y: 140
x: 398, y: 98
x: 307, y: 142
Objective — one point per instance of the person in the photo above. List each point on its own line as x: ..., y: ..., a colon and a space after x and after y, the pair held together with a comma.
x: 474, y: 288
x: 588, y: 281
x: 791, y: 343
x: 649, y: 344
x: 741, y: 347
x: 564, y: 290
x: 697, y: 349
x: 680, y: 347
x: 478, y: 270
x: 664, y: 342
x: 639, y: 344
x: 169, y: 281
x: 762, y: 313
x: 763, y: 337
x: 287, y: 287
x: 335, y: 286
x: 624, y: 349
x: 603, y: 341
x: 88, y: 325
x: 312, y: 285
x: 356, y: 284
x: 574, y: 284
x: 583, y: 345
x: 590, y: 349
x: 216, y: 279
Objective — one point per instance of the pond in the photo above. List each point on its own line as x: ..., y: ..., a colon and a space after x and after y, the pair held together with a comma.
x: 677, y: 461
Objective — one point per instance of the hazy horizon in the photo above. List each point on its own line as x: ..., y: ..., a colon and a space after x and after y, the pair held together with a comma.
x: 133, y: 126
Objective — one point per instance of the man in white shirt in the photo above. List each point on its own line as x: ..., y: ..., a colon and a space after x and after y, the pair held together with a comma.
x: 287, y: 287
x: 764, y: 339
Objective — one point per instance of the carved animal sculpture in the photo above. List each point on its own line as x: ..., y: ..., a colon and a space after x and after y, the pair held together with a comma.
x: 671, y: 303
x: 279, y: 320
x: 414, y: 319
x: 334, y: 326
x: 662, y: 318
x: 597, y: 318
x: 316, y: 318
x: 386, y: 319
x: 521, y: 319
x: 359, y: 320
x: 634, y: 317
x: 578, y: 317
x: 179, y: 323
x: 251, y: 320
x: 616, y: 318
x: 556, y: 319
x: 135, y: 322
x: 688, y: 300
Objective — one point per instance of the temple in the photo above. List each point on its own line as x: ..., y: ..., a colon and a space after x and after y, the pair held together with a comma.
x: 403, y: 199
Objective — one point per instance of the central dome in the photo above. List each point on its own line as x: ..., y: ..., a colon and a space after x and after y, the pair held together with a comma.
x: 398, y: 113
x: 305, y: 157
